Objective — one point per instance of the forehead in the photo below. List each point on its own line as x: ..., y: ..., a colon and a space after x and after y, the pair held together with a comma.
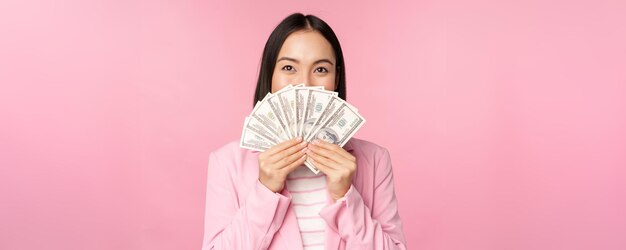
x: 307, y: 45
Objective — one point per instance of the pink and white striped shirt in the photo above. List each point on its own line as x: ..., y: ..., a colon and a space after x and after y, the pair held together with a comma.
x: 309, y: 195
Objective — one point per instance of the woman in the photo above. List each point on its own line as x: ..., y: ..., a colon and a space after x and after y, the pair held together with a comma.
x: 270, y: 200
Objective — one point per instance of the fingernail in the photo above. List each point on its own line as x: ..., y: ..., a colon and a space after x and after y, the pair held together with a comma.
x: 299, y: 138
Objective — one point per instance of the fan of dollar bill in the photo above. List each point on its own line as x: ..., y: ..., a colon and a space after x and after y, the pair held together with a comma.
x: 309, y: 112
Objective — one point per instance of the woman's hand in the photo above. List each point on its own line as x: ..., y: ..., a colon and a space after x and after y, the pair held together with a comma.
x: 338, y: 165
x: 280, y: 160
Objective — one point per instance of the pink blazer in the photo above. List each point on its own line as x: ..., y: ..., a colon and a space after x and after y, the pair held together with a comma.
x: 241, y: 213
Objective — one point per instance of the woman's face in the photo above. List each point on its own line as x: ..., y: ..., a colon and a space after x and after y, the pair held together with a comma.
x: 305, y: 57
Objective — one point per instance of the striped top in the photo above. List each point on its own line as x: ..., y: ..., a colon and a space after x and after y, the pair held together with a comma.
x: 308, y: 192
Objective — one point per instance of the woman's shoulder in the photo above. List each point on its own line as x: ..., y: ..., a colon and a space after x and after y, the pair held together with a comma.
x: 372, y: 158
x: 231, y: 156
x: 231, y: 148
x: 367, y: 150
x: 364, y: 145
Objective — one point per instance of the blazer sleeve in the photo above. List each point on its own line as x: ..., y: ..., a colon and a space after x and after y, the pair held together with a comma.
x: 230, y: 225
x: 363, y: 228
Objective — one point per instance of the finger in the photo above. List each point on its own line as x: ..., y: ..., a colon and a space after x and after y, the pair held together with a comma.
x: 282, y: 146
x: 287, y: 152
x: 291, y: 167
x: 327, y: 153
x: 335, y: 148
x: 321, y: 159
x: 325, y: 169
x: 286, y: 161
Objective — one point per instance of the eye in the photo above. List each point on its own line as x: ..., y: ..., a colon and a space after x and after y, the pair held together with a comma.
x: 288, y: 68
x: 321, y: 70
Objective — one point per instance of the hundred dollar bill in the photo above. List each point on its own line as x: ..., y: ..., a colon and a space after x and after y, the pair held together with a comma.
x: 340, y: 126
x: 330, y: 109
x: 338, y: 129
x: 253, y: 141
x: 273, y: 102
x: 302, y: 95
x: 287, y: 101
x: 259, y: 129
x: 264, y: 114
x: 313, y: 108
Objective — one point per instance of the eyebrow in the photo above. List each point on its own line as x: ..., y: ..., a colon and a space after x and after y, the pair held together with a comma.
x: 296, y: 61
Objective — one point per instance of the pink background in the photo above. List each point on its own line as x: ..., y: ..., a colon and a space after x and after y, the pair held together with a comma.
x: 506, y: 120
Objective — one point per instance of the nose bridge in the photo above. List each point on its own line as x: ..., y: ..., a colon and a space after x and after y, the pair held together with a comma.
x: 305, y: 77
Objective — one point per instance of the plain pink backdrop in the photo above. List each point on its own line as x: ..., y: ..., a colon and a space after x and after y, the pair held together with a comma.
x: 505, y: 120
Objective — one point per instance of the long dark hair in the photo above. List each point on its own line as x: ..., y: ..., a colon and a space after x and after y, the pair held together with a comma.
x: 292, y: 23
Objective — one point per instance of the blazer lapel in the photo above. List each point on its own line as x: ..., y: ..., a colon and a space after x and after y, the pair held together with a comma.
x: 290, y: 231
x: 332, y: 237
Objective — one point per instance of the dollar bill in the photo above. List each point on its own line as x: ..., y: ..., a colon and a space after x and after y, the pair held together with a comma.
x: 254, y: 125
x: 253, y: 141
x: 302, y: 94
x: 340, y: 126
x: 331, y: 107
x: 297, y: 110
x: 273, y: 102
x: 265, y: 115
x: 337, y: 129
x: 287, y: 103
x: 317, y: 100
